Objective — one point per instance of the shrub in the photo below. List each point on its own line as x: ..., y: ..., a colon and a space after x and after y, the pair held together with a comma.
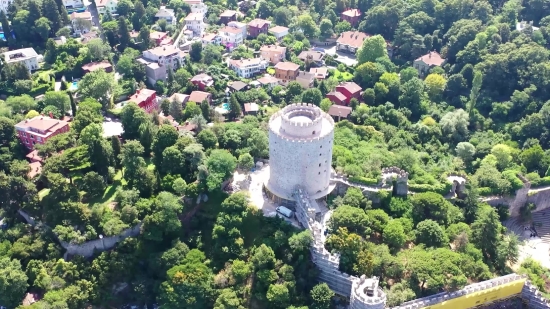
x: 484, y: 191
x: 512, y: 177
x: 364, y: 180
x: 541, y: 182
x: 442, y: 188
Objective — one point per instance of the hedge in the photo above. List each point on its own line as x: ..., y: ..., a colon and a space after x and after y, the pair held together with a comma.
x: 541, y: 182
x: 442, y: 188
x: 484, y: 191
x: 38, y: 90
x: 364, y: 180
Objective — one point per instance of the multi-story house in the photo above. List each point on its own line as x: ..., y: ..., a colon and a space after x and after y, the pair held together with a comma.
x: 247, y: 68
x: 195, y: 22
x: 166, y: 14
x: 344, y: 92
x: 352, y: 16
x: 39, y: 129
x: 233, y: 34
x: 197, y: 6
x: 200, y: 96
x: 202, y: 81
x: 27, y: 56
x: 312, y: 57
x: 158, y: 60
x: 258, y: 26
x: 279, y: 32
x: 94, y: 66
x: 273, y: 53
x: 160, y: 38
x: 146, y: 99
x: 228, y: 16
x: 211, y: 38
x: 81, y: 22
x: 424, y: 63
x: 286, y: 71
x: 305, y: 79
x: 351, y: 41
x: 104, y: 5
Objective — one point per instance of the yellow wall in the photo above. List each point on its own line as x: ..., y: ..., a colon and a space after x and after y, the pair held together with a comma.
x: 478, y: 298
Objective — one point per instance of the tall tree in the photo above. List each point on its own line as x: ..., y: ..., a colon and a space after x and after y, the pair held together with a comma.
x: 13, y: 282
x: 50, y: 10
x: 137, y: 17
x: 234, y: 107
x: 62, y: 12
x: 123, y: 34
x: 98, y: 85
x: 373, y: 48
x: 474, y: 93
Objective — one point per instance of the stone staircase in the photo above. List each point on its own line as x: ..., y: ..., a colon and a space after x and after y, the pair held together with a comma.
x: 541, y: 221
x: 514, y: 225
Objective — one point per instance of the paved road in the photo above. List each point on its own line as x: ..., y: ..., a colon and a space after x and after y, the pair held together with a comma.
x: 95, y: 17
x: 345, y: 58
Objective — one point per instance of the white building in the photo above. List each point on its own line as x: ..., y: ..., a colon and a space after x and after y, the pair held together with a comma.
x: 26, y: 55
x: 166, y: 14
x: 248, y: 67
x: 73, y: 3
x: 104, y: 5
x: 233, y: 34
x: 279, y: 32
x: 197, y: 6
x: 195, y: 22
x: 522, y: 25
x: 158, y: 60
x: 211, y: 38
x: 81, y: 22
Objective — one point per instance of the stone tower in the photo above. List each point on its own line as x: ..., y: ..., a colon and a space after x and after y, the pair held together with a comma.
x: 300, y: 151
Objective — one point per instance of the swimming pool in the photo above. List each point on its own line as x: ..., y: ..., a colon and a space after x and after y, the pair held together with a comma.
x: 225, y: 106
x: 74, y: 85
x: 2, y: 37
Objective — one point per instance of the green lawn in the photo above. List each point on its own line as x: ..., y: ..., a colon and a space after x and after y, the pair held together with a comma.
x: 342, y: 76
x: 270, y: 71
x: 43, y: 193
x: 109, y: 194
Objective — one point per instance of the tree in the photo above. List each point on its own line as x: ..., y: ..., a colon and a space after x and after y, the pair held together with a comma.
x: 373, y: 48
x: 532, y: 159
x: 228, y: 299
x: 205, y: 109
x: 430, y: 205
x: 98, y: 50
x: 196, y: 51
x: 321, y: 296
x: 5, y: 25
x: 246, y: 162
x: 354, y: 219
x: 59, y: 99
x: 137, y: 17
x: 166, y: 137
x: 394, y: 234
x: 263, y: 258
x: 89, y: 111
x: 52, y: 111
x: 73, y: 103
x: 176, y: 110
x: 93, y: 184
x: 42, y: 27
x: 13, y: 282
x: 278, y: 296
x: 207, y: 139
x: 221, y: 165
x: 399, y: 293
x: 325, y: 28
x: 123, y: 34
x: 465, y: 151
x: 342, y: 26
x: 431, y: 234
x: 435, y: 85
x: 411, y: 96
x: 98, y: 85
x: 82, y: 24
x: 21, y: 103
x: 179, y: 186
x: 191, y: 110
x: 354, y: 197
x: 234, y: 107
x: 474, y: 93
x: 312, y: 95
x: 50, y: 10
x: 307, y: 25
x: 124, y: 7
x: 455, y: 124
x: 145, y: 37
x: 486, y: 232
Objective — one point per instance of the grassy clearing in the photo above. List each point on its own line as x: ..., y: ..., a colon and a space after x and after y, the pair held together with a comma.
x: 110, y: 191
x: 43, y: 193
x: 342, y: 76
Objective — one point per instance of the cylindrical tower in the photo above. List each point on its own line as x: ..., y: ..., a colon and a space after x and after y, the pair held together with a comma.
x: 366, y: 294
x: 300, y: 151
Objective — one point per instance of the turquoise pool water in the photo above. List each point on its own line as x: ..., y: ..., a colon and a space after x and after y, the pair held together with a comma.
x: 74, y: 85
x: 225, y: 106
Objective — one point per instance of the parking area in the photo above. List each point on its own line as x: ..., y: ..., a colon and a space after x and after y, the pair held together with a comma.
x: 345, y: 58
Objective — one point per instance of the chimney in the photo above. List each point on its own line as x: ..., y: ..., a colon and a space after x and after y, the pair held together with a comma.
x: 138, y: 91
x: 430, y: 55
x: 51, y: 115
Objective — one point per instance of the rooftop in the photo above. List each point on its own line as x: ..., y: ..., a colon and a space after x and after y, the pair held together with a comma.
x: 42, y: 124
x: 92, y: 66
x: 167, y: 50
x: 259, y: 23
x: 350, y: 86
x: 287, y: 66
x: 104, y: 2
x: 238, y: 85
x: 352, y: 38
x: 87, y: 37
x: 33, y: 156
x: 312, y: 54
x: 236, y: 24
x: 340, y: 96
x: 209, y: 36
x: 231, y: 30
x: 352, y: 13
x: 179, y: 97
x: 339, y: 110
x: 20, y: 54
x: 199, y: 96
x: 268, y: 79
x: 141, y: 95
x: 251, y: 107
x: 278, y: 29
x: 157, y: 35
x: 319, y: 72
x: 81, y: 15
x: 305, y: 76
x: 273, y: 48
x: 194, y: 16
x: 246, y: 62
x: 164, y: 12
x: 228, y: 13
x: 432, y: 58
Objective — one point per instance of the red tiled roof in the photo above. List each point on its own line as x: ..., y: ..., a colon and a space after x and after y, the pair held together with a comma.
x: 351, y: 87
x: 287, y: 66
x: 33, y: 156
x: 352, y: 38
x: 228, y: 13
x: 92, y: 66
x: 339, y: 110
x: 198, y: 96
x: 340, y: 96
x: 231, y: 30
x: 157, y: 35
x: 141, y: 95
x: 268, y: 79
x: 258, y: 23
x: 273, y: 48
x: 42, y: 123
x: 82, y: 15
x: 432, y: 58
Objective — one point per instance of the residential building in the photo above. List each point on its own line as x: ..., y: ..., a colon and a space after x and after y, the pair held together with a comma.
x: 286, y: 71
x: 251, y: 109
x: 180, y: 98
x: 352, y: 16
x: 39, y: 129
x: 305, y: 79
x: 35, y: 169
x: 197, y: 6
x: 200, y: 96
x: 202, y: 81
x: 522, y: 25
x: 228, y: 16
x: 104, y: 5
x: 211, y: 38
x: 100, y: 65
x: 233, y: 34
x: 81, y: 22
x: 87, y: 37
x: 273, y: 53
x: 247, y: 68
x: 73, y: 4
x: 269, y: 81
x: 160, y: 38
x: 237, y: 86
x: 313, y: 57
x: 339, y: 112
x: 257, y: 27
x: 27, y: 56
x: 195, y: 22
x: 320, y: 73
x: 424, y: 63
x: 344, y: 92
x: 350, y: 41
x: 158, y: 60
x: 166, y: 14
x: 34, y: 157
x: 279, y: 32
x: 146, y: 99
